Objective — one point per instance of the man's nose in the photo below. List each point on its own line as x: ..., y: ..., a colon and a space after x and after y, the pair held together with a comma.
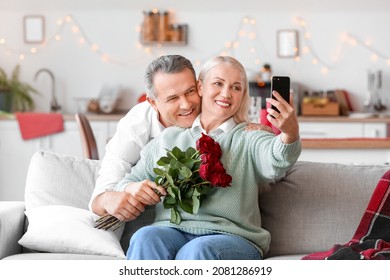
x: 185, y: 102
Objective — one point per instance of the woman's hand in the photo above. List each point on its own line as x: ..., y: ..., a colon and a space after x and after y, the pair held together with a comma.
x: 286, y: 121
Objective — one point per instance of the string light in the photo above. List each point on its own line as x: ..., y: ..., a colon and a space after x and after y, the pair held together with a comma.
x: 351, y: 39
x: 367, y: 44
x: 308, y: 49
x: 246, y: 31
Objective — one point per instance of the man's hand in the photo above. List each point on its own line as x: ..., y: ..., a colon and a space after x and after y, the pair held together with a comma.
x: 257, y: 126
x: 120, y: 205
x: 147, y: 192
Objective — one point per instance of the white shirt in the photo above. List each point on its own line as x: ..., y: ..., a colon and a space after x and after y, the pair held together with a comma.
x: 138, y: 127
x: 225, y: 127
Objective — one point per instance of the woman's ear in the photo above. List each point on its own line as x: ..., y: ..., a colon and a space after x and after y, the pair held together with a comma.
x: 200, y: 87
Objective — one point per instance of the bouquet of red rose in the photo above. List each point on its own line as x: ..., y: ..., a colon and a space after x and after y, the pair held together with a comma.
x: 187, y: 176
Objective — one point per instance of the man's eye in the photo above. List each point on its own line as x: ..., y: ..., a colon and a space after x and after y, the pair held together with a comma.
x: 172, y: 99
x: 191, y: 91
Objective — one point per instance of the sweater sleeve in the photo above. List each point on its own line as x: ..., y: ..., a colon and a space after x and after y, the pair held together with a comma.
x: 271, y: 156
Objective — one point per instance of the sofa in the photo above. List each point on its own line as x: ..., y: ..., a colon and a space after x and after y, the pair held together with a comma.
x: 315, y: 206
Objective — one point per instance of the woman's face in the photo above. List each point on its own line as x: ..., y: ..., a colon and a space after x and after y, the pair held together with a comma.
x: 222, y: 91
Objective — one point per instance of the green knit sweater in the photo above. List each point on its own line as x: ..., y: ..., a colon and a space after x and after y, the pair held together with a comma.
x: 252, y: 158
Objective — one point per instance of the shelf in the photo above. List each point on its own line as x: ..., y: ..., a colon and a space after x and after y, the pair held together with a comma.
x: 346, y: 143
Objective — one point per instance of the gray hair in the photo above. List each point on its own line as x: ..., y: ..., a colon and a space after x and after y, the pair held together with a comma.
x: 242, y: 114
x: 170, y: 64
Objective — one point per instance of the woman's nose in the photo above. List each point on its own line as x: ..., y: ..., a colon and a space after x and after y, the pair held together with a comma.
x: 225, y: 92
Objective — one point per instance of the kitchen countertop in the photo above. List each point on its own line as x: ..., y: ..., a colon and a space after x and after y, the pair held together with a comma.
x: 118, y: 116
x: 70, y: 117
x: 346, y: 143
x: 344, y: 119
x: 324, y: 143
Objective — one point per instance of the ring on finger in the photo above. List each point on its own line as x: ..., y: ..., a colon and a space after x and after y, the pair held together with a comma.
x: 277, y: 116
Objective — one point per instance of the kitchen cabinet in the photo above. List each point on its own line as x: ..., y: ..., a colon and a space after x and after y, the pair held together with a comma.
x: 16, y: 152
x: 345, y: 140
x: 342, y: 130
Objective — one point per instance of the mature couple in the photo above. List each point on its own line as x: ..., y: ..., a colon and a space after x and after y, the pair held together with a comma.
x: 228, y: 224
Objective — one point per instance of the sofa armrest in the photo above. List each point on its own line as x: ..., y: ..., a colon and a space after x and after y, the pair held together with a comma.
x: 11, y: 227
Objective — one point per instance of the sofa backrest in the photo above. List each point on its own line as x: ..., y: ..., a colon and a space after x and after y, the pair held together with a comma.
x: 317, y: 205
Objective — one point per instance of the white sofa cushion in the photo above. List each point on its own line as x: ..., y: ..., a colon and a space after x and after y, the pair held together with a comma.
x: 55, y: 179
x: 58, y: 190
x: 65, y: 229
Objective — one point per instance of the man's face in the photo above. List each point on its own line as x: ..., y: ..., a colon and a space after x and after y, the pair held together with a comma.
x: 178, y: 102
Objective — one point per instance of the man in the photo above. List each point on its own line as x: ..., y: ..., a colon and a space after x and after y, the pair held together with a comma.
x: 172, y: 100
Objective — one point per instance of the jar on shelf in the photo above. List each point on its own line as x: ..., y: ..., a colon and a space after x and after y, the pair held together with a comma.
x: 149, y: 27
x: 176, y: 32
x: 163, y: 27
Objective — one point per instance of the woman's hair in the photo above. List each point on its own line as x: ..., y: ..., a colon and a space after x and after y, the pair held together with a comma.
x: 170, y: 64
x: 242, y: 113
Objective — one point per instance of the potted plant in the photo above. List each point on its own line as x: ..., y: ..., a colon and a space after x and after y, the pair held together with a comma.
x: 14, y: 94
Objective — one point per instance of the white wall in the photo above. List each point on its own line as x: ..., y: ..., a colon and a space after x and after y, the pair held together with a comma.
x: 112, y: 25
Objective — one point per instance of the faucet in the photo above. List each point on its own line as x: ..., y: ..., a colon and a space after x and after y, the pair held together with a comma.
x: 54, y: 106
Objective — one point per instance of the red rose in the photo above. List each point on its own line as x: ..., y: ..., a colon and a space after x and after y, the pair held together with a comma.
x: 204, y: 171
x: 215, y: 173
x: 207, y: 145
x: 221, y: 179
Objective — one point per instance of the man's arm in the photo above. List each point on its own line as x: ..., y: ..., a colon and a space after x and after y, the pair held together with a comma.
x: 122, y: 152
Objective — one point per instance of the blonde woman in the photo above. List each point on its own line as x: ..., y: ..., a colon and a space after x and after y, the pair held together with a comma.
x: 228, y: 223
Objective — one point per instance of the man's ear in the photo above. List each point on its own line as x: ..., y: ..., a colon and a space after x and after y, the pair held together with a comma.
x: 200, y: 87
x: 152, y: 102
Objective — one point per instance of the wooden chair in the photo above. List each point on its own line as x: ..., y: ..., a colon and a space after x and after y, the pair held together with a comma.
x: 88, y: 141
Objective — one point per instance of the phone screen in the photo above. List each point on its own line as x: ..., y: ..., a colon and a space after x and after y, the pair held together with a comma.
x: 282, y: 85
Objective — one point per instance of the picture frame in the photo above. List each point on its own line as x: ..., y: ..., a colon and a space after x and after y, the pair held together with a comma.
x: 287, y: 43
x: 34, y: 29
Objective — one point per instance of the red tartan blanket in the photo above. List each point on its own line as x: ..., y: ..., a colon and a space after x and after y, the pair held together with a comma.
x: 372, y: 237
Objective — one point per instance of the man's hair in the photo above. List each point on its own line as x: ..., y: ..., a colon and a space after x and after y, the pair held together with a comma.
x: 242, y: 114
x: 170, y: 64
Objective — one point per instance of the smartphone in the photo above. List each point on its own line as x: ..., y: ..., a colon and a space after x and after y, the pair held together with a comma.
x: 282, y: 85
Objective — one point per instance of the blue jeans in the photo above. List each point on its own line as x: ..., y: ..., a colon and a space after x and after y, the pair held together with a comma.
x: 165, y: 243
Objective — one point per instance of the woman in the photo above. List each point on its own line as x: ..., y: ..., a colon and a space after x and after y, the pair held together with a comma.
x: 228, y: 223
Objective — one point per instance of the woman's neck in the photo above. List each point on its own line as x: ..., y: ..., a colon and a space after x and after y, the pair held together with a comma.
x: 208, y: 123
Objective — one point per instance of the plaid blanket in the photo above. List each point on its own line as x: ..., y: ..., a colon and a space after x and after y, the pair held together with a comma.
x: 372, y: 237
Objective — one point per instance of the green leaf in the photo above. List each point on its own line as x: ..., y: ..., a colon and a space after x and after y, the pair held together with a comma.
x: 163, y: 161
x: 158, y: 171
x: 176, y: 152
x: 175, y: 164
x: 186, y: 206
x: 195, y: 204
x: 188, y: 162
x: 190, y: 152
x: 170, y: 200
x: 171, y: 192
x: 175, y: 216
x: 170, y: 180
x: 184, y: 173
